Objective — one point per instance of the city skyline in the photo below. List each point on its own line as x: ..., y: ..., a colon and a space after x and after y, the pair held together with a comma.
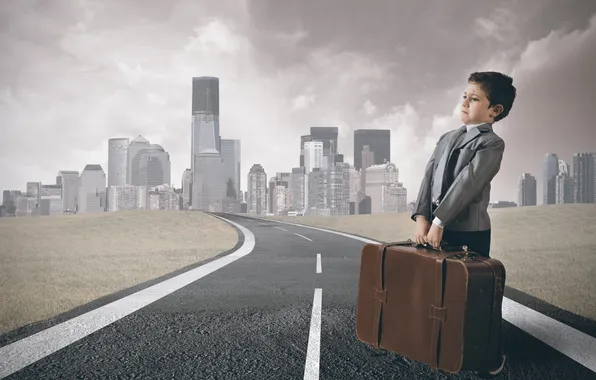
x: 270, y: 93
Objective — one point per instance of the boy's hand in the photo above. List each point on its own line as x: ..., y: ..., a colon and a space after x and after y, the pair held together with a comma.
x: 435, y: 234
x: 422, y: 227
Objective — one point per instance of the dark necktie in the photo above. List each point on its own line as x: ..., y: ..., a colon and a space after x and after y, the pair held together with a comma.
x: 439, y: 176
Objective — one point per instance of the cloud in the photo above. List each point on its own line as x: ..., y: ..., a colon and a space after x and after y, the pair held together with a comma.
x: 500, y: 25
x: 369, y: 108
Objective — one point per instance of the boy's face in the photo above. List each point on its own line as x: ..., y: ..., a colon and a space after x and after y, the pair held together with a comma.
x: 474, y: 107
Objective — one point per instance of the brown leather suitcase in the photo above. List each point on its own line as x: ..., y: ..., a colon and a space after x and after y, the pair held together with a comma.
x: 439, y: 307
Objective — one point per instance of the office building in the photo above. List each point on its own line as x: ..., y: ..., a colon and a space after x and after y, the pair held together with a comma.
x: 584, y: 177
x: 379, y: 143
x: 527, y: 191
x: 92, y: 190
x: 231, y: 155
x: 117, y: 161
x: 257, y: 190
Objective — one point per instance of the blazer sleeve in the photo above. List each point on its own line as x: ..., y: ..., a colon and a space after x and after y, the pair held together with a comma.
x: 471, y: 180
x: 422, y: 206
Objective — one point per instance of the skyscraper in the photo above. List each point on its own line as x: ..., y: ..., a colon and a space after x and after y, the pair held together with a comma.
x: 138, y: 144
x: 209, y: 188
x: 550, y: 169
x: 257, y: 190
x: 328, y: 136
x: 117, y: 161
x: 92, y: 190
x: 526, y: 192
x: 231, y: 155
x: 379, y: 142
x: 563, y: 184
x: 205, y: 101
x: 313, y: 155
x: 151, y: 167
x: 299, y: 188
x: 69, y: 180
x: 583, y: 175
x: 303, y: 140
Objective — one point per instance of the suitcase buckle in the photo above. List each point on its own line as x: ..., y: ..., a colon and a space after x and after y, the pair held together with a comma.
x: 439, y: 313
x: 381, y: 295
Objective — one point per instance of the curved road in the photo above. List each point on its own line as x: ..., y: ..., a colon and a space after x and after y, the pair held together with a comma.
x: 281, y: 307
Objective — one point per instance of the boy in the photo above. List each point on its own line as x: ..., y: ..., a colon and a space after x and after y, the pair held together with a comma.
x: 455, y: 190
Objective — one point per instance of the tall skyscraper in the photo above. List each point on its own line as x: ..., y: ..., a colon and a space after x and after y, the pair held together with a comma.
x: 526, y: 191
x: 303, y: 140
x: 299, y: 188
x: 138, y: 144
x: 379, y: 142
x: 69, y: 180
x: 257, y: 190
x: 151, y: 167
x: 583, y: 175
x: 328, y: 136
x: 209, y: 188
x: 92, y: 190
x: 231, y: 155
x: 117, y: 161
x: 338, y: 189
x: 564, y: 184
x: 205, y: 101
x: 363, y: 205
x: 313, y: 155
x: 550, y: 169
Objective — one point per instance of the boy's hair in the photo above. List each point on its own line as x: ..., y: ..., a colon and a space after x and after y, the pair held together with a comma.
x: 498, y: 88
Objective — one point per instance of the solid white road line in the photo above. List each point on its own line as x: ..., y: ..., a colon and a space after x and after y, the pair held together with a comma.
x: 319, y: 269
x: 575, y: 344
x: 304, y: 237
x: 26, y: 351
x: 313, y: 352
x: 283, y: 229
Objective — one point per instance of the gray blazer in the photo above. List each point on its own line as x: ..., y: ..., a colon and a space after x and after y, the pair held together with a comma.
x: 475, y: 161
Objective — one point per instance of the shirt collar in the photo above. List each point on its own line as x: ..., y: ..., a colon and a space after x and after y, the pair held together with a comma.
x: 470, y: 126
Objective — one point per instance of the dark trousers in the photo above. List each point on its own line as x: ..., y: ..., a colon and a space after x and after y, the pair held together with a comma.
x: 477, y: 241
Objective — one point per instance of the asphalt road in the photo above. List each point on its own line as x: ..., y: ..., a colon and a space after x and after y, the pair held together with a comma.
x: 252, y: 319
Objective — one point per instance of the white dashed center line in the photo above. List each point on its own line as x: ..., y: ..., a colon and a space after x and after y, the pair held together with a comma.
x: 304, y: 237
x: 283, y: 229
x: 311, y: 367
x: 319, y: 268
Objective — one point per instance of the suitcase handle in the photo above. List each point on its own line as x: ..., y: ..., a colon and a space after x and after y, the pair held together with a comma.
x: 448, y: 250
x: 445, y: 248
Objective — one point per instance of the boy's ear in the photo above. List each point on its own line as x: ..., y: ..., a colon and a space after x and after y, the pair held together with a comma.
x: 497, y: 109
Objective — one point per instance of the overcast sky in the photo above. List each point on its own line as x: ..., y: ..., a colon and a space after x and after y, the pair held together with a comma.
x: 75, y: 73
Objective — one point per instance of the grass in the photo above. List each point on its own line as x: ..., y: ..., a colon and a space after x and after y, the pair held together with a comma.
x: 49, y: 265
x: 548, y: 251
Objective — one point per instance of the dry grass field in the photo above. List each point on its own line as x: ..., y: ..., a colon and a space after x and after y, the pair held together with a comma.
x: 49, y: 265
x: 549, y: 251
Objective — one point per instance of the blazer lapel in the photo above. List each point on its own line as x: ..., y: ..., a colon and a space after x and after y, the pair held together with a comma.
x: 472, y: 134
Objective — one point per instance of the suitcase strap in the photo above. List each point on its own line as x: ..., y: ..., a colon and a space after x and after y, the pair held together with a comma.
x: 380, y: 292
x: 437, y: 312
x: 496, y: 326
